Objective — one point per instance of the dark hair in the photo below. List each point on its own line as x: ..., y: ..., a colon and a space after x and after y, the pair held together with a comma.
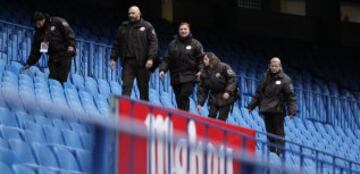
x: 38, y: 16
x: 184, y: 23
x: 213, y: 59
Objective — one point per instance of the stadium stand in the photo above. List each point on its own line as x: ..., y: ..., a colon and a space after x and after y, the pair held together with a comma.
x: 32, y: 106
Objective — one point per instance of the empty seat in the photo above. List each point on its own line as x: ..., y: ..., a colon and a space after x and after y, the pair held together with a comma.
x: 66, y: 159
x: 72, y: 139
x: 42, y: 120
x: 48, y: 171
x: 61, y: 124
x: 22, y: 118
x: 22, y: 151
x: 7, y: 157
x: 44, y: 155
x: 91, y: 86
x: 104, y: 87
x: 4, y: 168
x: 31, y: 126
x: 78, y: 81
x: 11, y: 133
x: 20, y: 169
x: 88, y: 141
x: 34, y: 137
x: 53, y: 135
x: 85, y: 160
x: 4, y: 144
x: 77, y: 127
x: 115, y: 88
x: 7, y: 118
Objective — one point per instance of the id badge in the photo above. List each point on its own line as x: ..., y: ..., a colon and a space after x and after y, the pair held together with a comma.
x: 44, y: 47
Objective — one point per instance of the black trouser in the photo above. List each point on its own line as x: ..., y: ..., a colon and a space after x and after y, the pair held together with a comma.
x: 59, y: 66
x: 222, y: 110
x: 132, y: 70
x: 275, y: 125
x: 182, y: 93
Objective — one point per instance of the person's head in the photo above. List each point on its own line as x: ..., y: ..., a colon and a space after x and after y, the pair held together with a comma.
x: 39, y: 19
x: 210, y: 59
x: 184, y: 30
x: 134, y: 13
x: 275, y: 65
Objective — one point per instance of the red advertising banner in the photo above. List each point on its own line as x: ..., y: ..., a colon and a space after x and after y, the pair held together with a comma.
x: 140, y: 155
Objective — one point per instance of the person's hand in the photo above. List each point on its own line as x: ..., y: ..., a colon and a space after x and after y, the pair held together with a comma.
x: 112, y: 64
x: 199, y: 108
x: 149, y: 64
x: 70, y: 49
x: 198, y: 75
x: 162, y: 75
x: 26, y: 67
x: 226, y: 95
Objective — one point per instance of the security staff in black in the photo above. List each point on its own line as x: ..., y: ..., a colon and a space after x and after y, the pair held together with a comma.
x: 183, y: 58
x: 53, y: 36
x: 137, y: 45
x: 217, y: 80
x: 275, y: 97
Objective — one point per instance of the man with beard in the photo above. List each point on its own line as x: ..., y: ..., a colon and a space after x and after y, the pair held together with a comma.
x: 136, y: 44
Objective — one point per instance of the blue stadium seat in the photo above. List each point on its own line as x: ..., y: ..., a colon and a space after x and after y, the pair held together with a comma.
x: 34, y: 137
x: 22, y: 151
x: 43, y: 120
x: 47, y: 171
x: 165, y: 99
x: 80, y: 128
x: 21, y: 169
x: 88, y: 141
x: 66, y: 159
x: 4, y: 168
x: 154, y: 97
x: 11, y: 133
x: 15, y: 67
x: 72, y: 139
x: 104, y: 87
x: 78, y: 81
x: 7, y: 157
x: 4, y: 144
x: 7, y: 118
x: 59, y: 123
x: 53, y: 135
x: 44, y: 155
x: 91, y: 86
x: 84, y: 159
x: 115, y: 88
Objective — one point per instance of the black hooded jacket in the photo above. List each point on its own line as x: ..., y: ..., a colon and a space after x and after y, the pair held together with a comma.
x: 183, y: 58
x: 215, y: 81
x: 274, y: 95
x: 143, y: 39
x: 60, y: 36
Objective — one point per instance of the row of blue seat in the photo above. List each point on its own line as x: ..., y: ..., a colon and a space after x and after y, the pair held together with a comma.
x: 37, y: 157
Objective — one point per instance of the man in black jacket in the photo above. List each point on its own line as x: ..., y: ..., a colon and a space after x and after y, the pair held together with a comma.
x: 53, y: 36
x: 136, y: 43
x: 275, y: 97
x: 183, y: 59
x: 217, y: 80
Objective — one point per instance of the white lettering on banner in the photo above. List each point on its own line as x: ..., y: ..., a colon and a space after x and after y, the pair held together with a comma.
x: 164, y: 159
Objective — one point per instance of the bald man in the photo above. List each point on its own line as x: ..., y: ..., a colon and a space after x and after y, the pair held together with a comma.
x: 136, y: 44
x: 275, y: 97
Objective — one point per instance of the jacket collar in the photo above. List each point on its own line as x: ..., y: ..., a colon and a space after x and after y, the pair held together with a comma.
x: 138, y: 23
x: 183, y: 40
x: 278, y: 75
